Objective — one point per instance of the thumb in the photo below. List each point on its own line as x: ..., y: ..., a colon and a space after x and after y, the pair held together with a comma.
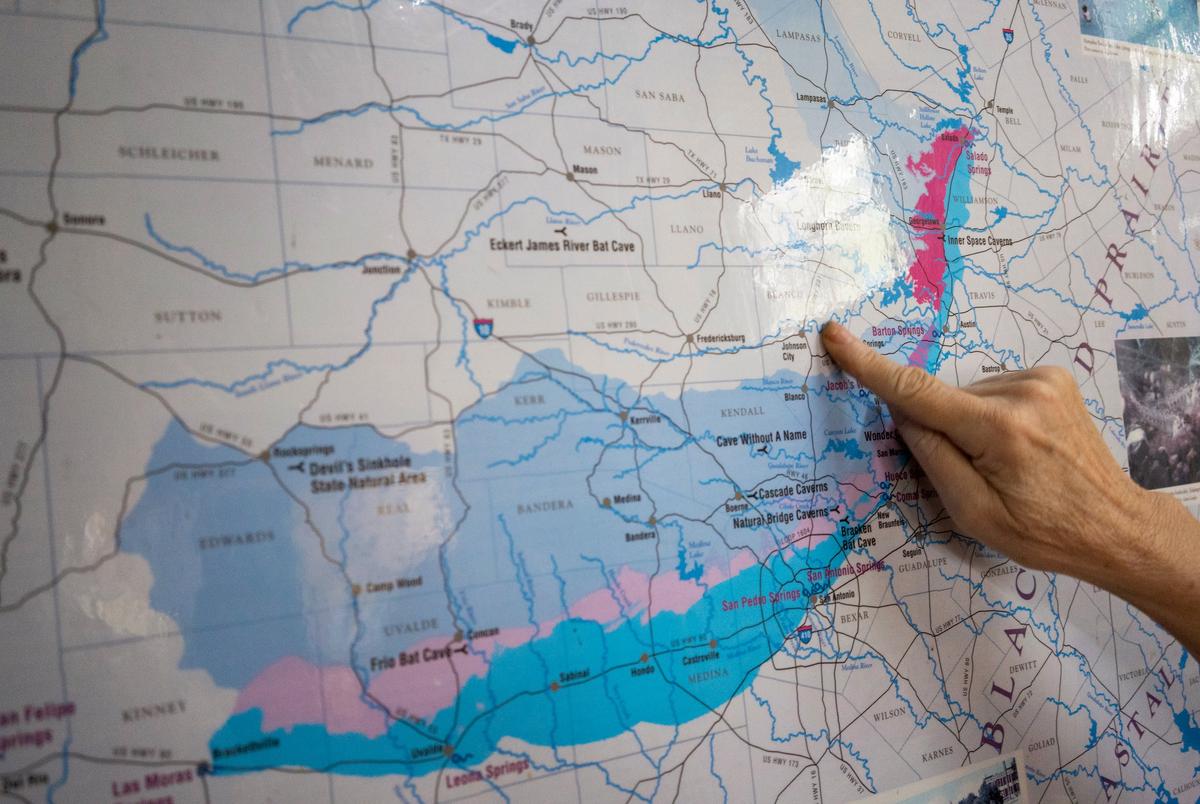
x: 964, y: 492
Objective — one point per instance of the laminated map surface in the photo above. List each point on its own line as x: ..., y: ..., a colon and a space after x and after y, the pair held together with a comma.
x: 423, y: 401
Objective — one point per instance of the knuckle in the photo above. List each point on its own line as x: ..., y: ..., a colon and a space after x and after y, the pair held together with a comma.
x: 1061, y: 377
x: 998, y: 417
x: 1055, y: 378
x: 1043, y: 390
x: 1012, y: 423
x: 1023, y: 422
x: 1026, y: 429
x: 1043, y: 385
x: 911, y: 381
x: 922, y: 442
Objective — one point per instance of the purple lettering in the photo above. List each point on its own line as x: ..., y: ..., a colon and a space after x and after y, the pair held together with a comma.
x: 1013, y: 635
x: 1150, y: 157
x: 1091, y: 357
x: 989, y: 736
x: 1116, y: 256
x: 1154, y: 701
x: 1130, y: 217
x: 1017, y: 584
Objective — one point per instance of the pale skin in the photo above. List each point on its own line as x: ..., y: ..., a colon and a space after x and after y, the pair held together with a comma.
x: 1020, y: 466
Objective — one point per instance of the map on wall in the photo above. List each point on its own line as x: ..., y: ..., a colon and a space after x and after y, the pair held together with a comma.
x: 423, y: 401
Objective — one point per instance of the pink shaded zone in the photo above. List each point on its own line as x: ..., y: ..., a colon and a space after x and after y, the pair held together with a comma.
x: 289, y: 691
x: 292, y: 691
x: 936, y: 168
x: 920, y: 355
x: 425, y: 689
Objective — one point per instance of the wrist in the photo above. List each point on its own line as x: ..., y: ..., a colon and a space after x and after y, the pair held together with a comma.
x: 1162, y: 547
x: 1136, y: 536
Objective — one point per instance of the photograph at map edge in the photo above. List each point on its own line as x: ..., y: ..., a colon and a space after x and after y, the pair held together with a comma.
x: 427, y: 402
x: 1166, y: 24
x: 995, y: 781
x: 1160, y: 385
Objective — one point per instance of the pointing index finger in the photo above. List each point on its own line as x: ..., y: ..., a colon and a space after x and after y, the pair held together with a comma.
x: 908, y: 391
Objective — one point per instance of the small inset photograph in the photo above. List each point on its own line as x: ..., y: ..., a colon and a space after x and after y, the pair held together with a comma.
x: 1089, y: 22
x: 991, y: 781
x: 1171, y: 25
x: 1160, y: 383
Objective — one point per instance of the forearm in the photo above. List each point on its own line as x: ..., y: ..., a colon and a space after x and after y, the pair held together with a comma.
x: 1157, y: 564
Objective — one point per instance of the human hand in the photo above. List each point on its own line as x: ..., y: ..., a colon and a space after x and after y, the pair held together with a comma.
x: 1018, y: 464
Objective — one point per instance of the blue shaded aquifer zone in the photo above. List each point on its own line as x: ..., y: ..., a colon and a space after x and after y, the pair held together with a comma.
x: 700, y: 659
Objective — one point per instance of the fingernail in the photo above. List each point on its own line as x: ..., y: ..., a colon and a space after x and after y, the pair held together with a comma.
x: 833, y: 332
